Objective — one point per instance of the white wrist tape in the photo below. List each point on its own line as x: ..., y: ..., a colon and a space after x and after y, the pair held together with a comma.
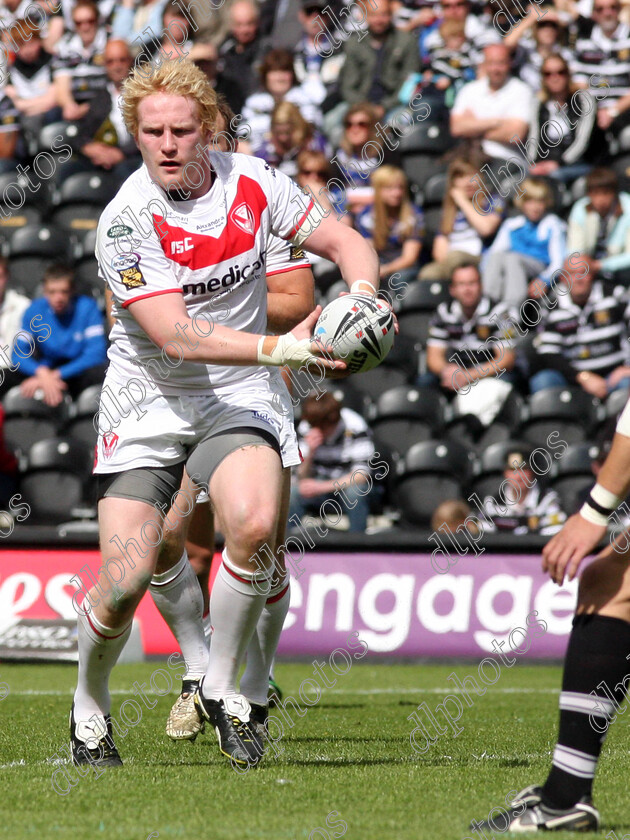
x: 591, y: 515
x: 605, y: 498
x: 623, y: 424
x: 600, y: 504
x: 288, y: 351
x: 362, y: 286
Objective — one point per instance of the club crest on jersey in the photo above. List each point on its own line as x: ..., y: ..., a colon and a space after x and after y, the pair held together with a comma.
x: 127, y: 266
x: 243, y: 218
x: 110, y: 439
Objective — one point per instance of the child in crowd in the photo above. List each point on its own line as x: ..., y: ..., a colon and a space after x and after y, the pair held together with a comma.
x: 528, y: 249
x: 464, y: 230
x: 393, y: 224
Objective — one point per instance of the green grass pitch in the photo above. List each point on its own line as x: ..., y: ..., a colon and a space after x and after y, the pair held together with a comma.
x: 350, y: 753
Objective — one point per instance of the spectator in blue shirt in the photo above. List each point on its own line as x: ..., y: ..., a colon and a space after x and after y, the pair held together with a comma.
x: 61, y: 348
x: 528, y: 250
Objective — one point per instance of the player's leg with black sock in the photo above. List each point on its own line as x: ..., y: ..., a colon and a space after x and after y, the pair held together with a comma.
x: 596, y: 676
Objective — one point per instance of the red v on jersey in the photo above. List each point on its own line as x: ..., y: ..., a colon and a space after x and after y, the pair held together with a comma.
x: 196, y: 251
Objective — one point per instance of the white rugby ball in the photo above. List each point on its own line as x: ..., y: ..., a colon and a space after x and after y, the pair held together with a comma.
x: 360, y: 330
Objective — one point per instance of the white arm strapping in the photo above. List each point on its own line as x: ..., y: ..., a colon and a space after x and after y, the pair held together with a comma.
x: 288, y: 351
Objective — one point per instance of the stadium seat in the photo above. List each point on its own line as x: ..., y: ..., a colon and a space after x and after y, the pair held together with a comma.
x: 19, y: 205
x: 79, y: 201
x: 490, y: 465
x: 572, y: 475
x: 432, y: 221
x: 505, y: 424
x: 430, y: 137
x: 31, y: 249
x: 569, y: 412
x: 468, y: 429
x: 417, y: 307
x: 420, y: 167
x: 430, y: 473
x: 28, y: 420
x: 56, y: 478
x: 400, y: 367
x: 615, y: 402
x: 406, y: 415
x: 57, y: 134
x: 86, y: 277
x: 621, y: 165
x: 80, y: 424
x: 435, y: 189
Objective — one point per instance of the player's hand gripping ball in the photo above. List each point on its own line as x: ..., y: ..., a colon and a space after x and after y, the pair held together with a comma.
x: 359, y: 330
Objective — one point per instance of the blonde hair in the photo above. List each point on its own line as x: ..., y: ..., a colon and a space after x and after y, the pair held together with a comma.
x: 176, y: 78
x: 383, y: 177
x: 287, y: 112
x: 536, y: 188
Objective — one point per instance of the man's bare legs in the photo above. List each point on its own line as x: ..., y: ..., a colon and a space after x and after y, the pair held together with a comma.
x: 107, y: 613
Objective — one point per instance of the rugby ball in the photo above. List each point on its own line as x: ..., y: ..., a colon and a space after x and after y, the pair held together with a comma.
x: 359, y: 329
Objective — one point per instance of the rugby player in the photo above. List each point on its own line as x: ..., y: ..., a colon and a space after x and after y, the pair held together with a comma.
x: 190, y: 304
x: 290, y: 298
x: 597, y: 661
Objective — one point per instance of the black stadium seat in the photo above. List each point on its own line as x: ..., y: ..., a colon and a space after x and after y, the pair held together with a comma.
x: 398, y: 368
x: 572, y: 475
x: 419, y: 167
x: 79, y: 201
x: 616, y: 401
x: 81, y: 423
x: 429, y: 136
x: 407, y: 415
x: 490, y: 465
x: 52, y: 137
x: 417, y: 306
x: 431, y: 472
x: 31, y: 249
x: 86, y: 277
x: 19, y: 205
x: 28, y: 420
x: 569, y: 412
x: 435, y: 189
x: 56, y: 478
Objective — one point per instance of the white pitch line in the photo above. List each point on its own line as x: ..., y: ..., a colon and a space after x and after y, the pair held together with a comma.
x: 446, y: 690
x: 358, y: 691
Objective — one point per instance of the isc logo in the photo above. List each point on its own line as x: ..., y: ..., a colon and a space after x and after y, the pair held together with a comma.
x: 180, y: 247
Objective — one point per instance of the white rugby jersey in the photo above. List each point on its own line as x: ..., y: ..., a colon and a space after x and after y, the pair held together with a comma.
x: 212, y: 249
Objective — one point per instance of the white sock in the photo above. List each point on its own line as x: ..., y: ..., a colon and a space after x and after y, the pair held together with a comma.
x: 99, y: 649
x: 179, y: 599
x: 262, y: 648
x: 235, y: 607
x: 207, y: 628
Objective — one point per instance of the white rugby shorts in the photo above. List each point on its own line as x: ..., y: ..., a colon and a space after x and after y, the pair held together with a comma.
x: 162, y: 430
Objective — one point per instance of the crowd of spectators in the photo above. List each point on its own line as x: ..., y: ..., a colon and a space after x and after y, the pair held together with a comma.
x: 518, y: 208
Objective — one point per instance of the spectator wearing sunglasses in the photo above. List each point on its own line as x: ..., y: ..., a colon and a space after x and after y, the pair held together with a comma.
x: 357, y: 155
x: 564, y: 138
x: 315, y: 176
x: 78, y: 67
x: 605, y: 55
x: 534, y: 40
